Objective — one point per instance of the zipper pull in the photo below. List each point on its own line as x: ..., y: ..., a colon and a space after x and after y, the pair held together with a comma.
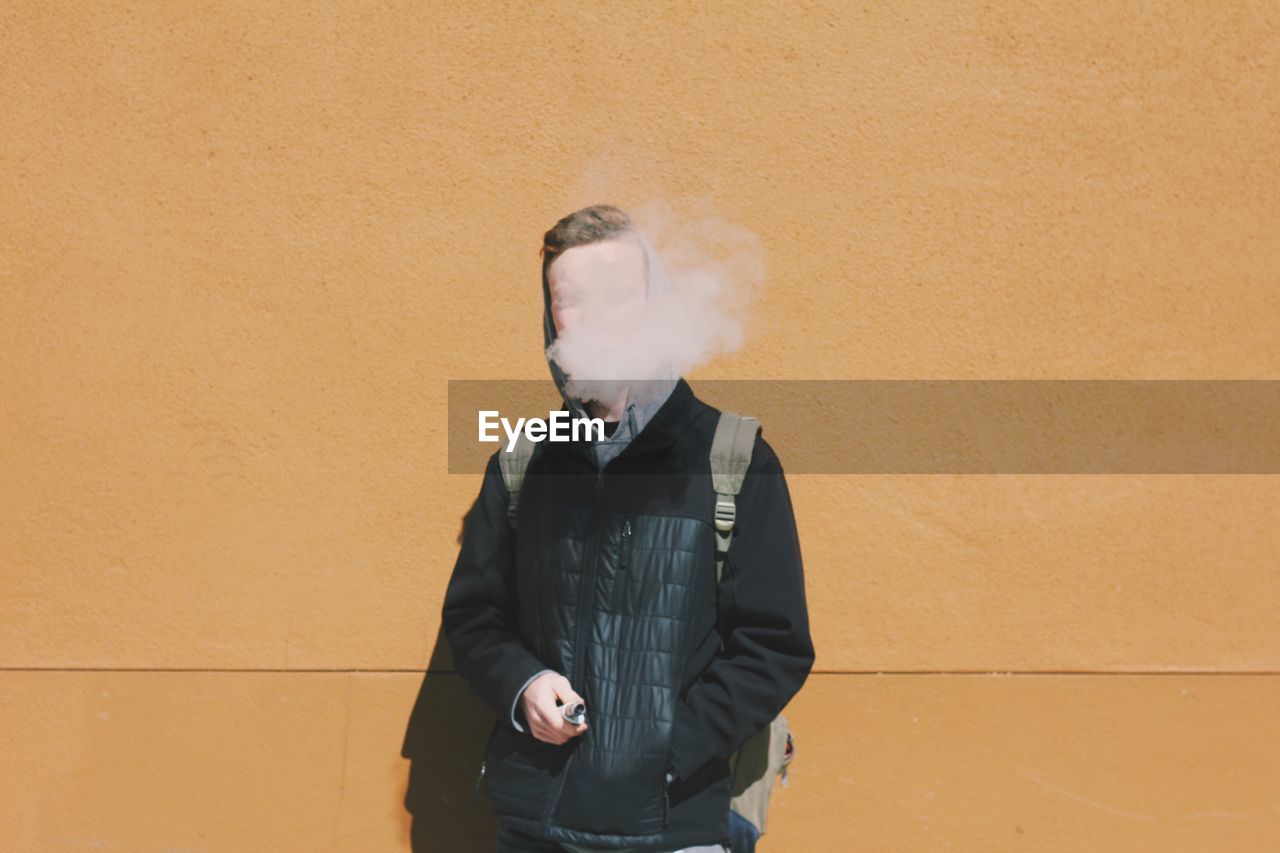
x: 626, y: 543
x: 476, y: 793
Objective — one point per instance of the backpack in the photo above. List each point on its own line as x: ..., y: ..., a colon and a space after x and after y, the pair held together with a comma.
x: 767, y: 753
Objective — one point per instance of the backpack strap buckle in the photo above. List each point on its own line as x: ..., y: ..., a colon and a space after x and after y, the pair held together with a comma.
x: 726, y: 512
x: 731, y: 449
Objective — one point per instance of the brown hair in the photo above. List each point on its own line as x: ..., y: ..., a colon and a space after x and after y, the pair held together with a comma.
x: 589, y: 225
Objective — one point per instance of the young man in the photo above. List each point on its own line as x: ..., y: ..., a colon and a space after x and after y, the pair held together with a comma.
x: 605, y: 592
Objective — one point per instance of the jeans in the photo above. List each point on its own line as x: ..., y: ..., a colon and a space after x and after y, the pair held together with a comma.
x: 514, y: 841
x: 744, y: 834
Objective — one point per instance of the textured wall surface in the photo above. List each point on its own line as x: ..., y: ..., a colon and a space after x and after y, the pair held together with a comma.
x: 243, y: 247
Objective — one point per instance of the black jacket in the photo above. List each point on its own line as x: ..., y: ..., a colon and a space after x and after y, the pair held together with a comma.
x: 610, y: 580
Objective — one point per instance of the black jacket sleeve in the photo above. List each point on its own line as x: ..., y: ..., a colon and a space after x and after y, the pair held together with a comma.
x: 479, y: 612
x: 764, y: 625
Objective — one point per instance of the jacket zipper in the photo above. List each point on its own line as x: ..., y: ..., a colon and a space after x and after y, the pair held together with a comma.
x: 584, y: 612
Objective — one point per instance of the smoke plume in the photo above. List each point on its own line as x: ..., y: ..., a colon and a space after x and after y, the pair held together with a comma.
x: 703, y: 275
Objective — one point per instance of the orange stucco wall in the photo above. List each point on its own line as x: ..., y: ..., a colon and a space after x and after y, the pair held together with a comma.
x: 244, y: 247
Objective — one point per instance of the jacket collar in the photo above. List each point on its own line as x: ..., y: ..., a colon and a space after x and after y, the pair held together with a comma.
x: 662, y: 430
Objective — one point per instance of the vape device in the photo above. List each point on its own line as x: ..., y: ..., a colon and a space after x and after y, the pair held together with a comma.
x: 576, y: 713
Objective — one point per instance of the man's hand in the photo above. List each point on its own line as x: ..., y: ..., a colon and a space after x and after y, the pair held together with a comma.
x: 546, y: 719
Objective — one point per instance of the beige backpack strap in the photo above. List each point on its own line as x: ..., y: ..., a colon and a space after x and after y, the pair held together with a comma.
x: 754, y: 766
x: 753, y: 769
x: 513, y: 465
x: 731, y: 448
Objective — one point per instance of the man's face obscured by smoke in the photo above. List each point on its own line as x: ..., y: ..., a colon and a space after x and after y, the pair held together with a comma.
x: 597, y: 287
x: 603, y: 318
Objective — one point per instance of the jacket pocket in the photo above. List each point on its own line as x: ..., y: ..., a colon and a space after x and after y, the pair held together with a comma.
x: 621, y: 578
x: 619, y: 794
x: 666, y: 803
x: 484, y: 759
x: 519, y: 771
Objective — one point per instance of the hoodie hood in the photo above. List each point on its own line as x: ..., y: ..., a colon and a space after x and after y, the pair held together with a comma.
x: 640, y: 406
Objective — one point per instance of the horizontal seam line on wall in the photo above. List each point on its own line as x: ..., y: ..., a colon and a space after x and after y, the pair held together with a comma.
x: 986, y: 672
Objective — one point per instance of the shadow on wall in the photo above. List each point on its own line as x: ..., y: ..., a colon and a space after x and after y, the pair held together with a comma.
x: 445, y: 743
